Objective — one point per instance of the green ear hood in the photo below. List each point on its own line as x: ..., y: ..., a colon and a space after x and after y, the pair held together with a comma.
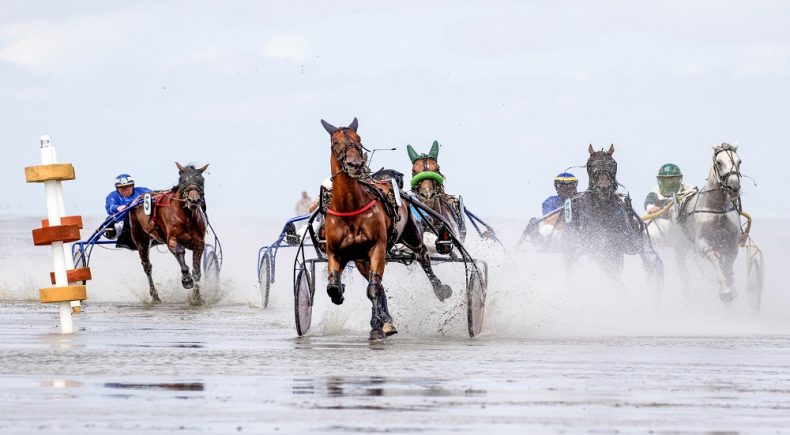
x: 412, y: 154
x: 434, y: 154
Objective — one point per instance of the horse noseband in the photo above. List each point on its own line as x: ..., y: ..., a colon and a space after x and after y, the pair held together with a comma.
x: 185, y: 194
x: 734, y: 170
x: 341, y: 157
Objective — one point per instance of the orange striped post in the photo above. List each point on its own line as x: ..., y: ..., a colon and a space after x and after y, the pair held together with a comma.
x: 58, y: 231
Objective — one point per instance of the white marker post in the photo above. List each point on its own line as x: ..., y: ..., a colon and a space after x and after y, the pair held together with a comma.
x: 58, y: 231
x: 54, y: 192
x: 49, y: 150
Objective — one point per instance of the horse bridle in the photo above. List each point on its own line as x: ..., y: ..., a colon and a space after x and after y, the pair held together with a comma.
x: 341, y: 157
x: 721, y: 179
x: 437, y: 187
x: 603, y: 166
x: 189, y: 188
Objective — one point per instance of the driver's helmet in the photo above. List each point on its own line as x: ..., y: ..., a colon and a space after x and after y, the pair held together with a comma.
x: 124, y: 180
x: 327, y: 183
x: 565, y: 179
x: 669, y: 179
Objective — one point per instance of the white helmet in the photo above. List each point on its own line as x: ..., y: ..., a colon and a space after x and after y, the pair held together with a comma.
x: 327, y: 183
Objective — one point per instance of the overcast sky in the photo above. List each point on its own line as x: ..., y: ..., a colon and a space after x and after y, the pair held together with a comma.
x: 514, y: 91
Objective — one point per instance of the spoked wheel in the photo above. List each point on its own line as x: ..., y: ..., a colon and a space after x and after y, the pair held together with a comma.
x: 755, y: 283
x: 212, y: 262
x: 303, y: 301
x: 475, y: 302
x: 265, y: 279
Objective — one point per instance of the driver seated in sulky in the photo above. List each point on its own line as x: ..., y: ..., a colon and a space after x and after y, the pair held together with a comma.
x: 670, y: 184
x: 119, y: 200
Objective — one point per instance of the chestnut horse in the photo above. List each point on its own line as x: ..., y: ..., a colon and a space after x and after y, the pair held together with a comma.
x: 363, y: 221
x: 428, y: 184
x: 178, y: 220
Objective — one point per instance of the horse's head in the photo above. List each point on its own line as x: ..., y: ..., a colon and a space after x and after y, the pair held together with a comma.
x: 602, y: 171
x: 727, y: 167
x: 347, y: 149
x: 190, y: 184
x: 427, y: 179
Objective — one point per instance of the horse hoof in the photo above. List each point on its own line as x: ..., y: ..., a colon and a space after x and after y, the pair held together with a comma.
x: 156, y: 300
x: 188, y: 283
x: 443, y: 292
x: 377, y: 335
x: 336, y: 294
x: 389, y: 329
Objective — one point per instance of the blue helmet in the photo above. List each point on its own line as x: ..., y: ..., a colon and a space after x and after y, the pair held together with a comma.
x: 124, y: 180
x: 565, y: 178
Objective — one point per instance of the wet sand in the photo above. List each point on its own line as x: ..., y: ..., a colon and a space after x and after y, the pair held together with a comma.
x: 558, y: 353
x: 170, y: 368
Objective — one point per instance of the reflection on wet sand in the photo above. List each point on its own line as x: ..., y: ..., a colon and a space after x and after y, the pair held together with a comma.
x: 175, y: 386
x: 61, y: 383
x: 171, y: 345
x: 336, y: 386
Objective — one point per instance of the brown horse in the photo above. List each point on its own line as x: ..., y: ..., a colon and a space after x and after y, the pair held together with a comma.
x: 178, y: 220
x: 428, y: 184
x: 363, y: 221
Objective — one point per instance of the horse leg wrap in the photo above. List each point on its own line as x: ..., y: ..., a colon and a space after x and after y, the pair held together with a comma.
x: 380, y: 317
x: 334, y: 288
x: 374, y: 286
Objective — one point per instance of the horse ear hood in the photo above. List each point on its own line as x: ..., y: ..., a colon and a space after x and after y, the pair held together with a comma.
x: 434, y: 154
x: 354, y: 124
x: 412, y: 154
x: 329, y: 127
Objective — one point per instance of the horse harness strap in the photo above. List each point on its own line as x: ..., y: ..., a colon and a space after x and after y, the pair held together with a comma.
x: 352, y: 213
x: 390, y: 207
x: 161, y: 199
x: 387, y: 201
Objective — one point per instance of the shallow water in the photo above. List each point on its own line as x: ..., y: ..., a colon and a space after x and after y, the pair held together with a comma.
x: 570, y: 354
x: 133, y: 369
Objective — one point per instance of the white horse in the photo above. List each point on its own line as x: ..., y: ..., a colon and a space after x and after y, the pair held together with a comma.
x: 710, y: 219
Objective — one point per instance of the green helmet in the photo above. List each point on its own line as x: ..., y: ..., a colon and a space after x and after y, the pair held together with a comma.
x: 669, y: 179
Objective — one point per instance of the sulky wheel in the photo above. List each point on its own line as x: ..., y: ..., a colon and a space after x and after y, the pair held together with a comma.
x: 475, y: 302
x: 303, y: 302
x: 755, y: 283
x: 79, y: 258
x: 211, y: 263
x: 265, y: 279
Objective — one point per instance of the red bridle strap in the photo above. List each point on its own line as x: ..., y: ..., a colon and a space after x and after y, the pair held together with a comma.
x: 352, y: 213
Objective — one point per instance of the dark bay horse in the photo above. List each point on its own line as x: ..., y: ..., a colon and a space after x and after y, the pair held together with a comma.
x: 177, y: 220
x: 363, y: 220
x: 428, y: 184
x: 603, y: 224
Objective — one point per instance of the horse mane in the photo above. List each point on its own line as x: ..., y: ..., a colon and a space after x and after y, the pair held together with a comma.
x: 725, y: 147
